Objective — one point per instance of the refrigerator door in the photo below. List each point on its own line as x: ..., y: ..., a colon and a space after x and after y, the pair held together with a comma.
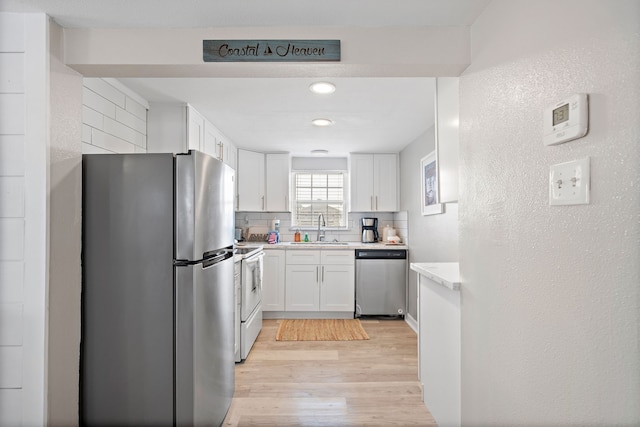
x: 204, y: 342
x: 205, y: 218
x: 126, y: 363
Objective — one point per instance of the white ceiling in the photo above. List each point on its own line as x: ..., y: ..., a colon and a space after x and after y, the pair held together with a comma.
x: 274, y: 114
x: 369, y: 114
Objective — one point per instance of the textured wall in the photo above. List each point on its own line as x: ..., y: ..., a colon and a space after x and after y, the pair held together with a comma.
x: 550, y: 295
x: 434, y: 238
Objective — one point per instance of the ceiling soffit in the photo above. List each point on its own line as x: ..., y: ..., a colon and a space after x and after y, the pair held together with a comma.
x: 365, y: 52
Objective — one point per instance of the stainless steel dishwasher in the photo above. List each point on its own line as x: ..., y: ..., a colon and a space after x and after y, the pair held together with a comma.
x: 381, y: 276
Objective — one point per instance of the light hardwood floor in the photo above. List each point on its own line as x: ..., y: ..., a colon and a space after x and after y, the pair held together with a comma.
x: 331, y: 383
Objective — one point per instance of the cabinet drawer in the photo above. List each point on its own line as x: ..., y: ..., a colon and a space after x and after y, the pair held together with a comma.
x: 338, y: 257
x: 297, y: 256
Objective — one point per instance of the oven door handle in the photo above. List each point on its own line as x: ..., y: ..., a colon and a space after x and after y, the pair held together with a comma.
x: 254, y: 264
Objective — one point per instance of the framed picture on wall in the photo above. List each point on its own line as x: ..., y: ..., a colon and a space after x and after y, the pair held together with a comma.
x: 429, y: 185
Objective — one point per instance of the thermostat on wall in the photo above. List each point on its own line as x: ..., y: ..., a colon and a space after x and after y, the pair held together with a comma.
x: 566, y: 120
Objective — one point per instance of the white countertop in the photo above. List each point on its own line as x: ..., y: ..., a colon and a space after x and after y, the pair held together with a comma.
x: 330, y: 245
x: 444, y: 273
x: 334, y: 245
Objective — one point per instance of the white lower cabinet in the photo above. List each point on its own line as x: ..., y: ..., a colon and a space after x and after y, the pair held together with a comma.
x: 320, y: 280
x: 237, y: 291
x: 273, y: 280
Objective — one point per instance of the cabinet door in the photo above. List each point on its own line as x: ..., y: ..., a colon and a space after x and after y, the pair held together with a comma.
x: 195, y: 135
x: 361, y: 182
x: 237, y: 296
x: 231, y: 155
x: 302, y: 288
x: 210, y: 139
x: 385, y: 182
x: 250, y: 181
x: 303, y: 256
x: 273, y: 281
x: 337, y: 287
x: 277, y: 180
x: 334, y: 256
x: 167, y: 128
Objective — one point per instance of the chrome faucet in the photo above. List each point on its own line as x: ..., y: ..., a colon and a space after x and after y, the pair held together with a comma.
x: 320, y: 236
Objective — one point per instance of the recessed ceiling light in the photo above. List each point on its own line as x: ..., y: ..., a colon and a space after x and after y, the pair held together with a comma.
x: 321, y: 122
x: 322, y: 88
x: 319, y: 152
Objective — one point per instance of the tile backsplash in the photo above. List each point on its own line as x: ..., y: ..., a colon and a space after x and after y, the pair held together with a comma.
x: 397, y: 220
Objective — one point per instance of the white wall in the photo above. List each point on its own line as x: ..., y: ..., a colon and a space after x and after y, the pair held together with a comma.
x: 65, y: 200
x: 550, y: 295
x: 23, y: 216
x: 433, y: 238
x: 114, y: 118
x: 41, y: 106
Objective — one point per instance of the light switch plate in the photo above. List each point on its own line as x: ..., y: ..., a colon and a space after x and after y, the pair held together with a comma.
x: 569, y: 183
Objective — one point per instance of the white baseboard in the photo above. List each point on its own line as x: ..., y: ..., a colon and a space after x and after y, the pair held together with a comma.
x: 413, y: 323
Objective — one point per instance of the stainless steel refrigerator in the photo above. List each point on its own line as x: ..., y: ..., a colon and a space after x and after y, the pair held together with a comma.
x: 157, y: 343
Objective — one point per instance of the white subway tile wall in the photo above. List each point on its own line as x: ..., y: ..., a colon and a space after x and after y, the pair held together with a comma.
x: 114, y: 119
x: 353, y: 233
x: 401, y: 224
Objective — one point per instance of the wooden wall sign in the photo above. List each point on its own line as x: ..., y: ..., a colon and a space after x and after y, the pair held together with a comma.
x: 270, y: 50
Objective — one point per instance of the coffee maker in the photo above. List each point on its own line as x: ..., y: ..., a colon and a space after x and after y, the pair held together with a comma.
x: 369, y: 230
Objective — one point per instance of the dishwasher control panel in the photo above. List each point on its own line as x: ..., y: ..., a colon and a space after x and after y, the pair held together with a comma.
x: 381, y: 254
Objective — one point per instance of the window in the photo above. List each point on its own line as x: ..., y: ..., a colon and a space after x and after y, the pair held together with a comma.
x: 316, y: 193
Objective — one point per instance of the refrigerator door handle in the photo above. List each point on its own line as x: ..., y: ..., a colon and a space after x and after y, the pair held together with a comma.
x: 218, y: 257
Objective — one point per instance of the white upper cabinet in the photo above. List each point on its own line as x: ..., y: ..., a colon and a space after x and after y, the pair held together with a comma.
x: 385, y: 182
x: 211, y: 137
x: 178, y: 128
x: 278, y: 167
x: 374, y: 182
x: 218, y: 146
x: 229, y: 153
x: 263, y: 181
x: 195, y: 131
x: 447, y: 139
x: 167, y: 128
x: 251, y: 186
x: 361, y: 182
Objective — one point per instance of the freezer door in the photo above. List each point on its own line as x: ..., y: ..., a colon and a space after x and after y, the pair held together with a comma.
x: 205, y: 358
x: 204, y: 205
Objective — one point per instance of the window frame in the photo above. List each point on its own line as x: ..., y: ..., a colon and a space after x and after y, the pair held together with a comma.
x: 345, y: 198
